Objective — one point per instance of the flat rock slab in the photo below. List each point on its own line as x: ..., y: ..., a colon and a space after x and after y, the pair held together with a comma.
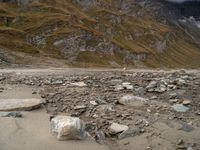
x: 20, y: 104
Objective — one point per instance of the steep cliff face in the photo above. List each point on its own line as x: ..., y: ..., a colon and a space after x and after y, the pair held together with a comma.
x: 101, y: 32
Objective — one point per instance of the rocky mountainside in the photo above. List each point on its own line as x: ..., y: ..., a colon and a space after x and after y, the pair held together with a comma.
x: 139, y: 33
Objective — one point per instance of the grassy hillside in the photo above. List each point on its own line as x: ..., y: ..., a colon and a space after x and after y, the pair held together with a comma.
x: 98, y: 34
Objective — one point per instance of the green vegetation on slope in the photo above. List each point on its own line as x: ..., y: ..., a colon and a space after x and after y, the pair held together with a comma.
x: 36, y: 27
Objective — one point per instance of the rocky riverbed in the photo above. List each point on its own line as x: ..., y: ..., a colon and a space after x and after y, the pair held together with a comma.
x: 122, y: 110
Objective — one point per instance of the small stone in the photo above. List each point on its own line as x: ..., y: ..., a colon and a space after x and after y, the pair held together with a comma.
x: 161, y: 89
x: 116, y: 128
x: 173, y: 96
x: 132, y: 100
x: 198, y: 113
x: 186, y: 102
x: 11, y: 114
x: 80, y: 107
x: 149, y: 148
x: 34, y: 92
x: 186, y: 127
x: 154, y: 97
x: 2, y: 77
x: 151, y: 85
x: 94, y: 103
x: 119, y: 88
x: 189, y: 148
x: 58, y: 82
x: 100, y: 136
x: 79, y: 84
x: 127, y: 85
x: 180, y: 108
x: 68, y: 128
x: 180, y: 142
x: 181, y: 82
x: 173, y: 100
x: 127, y: 143
x: 130, y: 132
x: 105, y: 108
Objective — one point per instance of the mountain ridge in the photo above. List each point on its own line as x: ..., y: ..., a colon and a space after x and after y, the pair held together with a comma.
x: 98, y: 33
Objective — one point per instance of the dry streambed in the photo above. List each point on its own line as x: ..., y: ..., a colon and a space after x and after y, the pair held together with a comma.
x: 123, y: 110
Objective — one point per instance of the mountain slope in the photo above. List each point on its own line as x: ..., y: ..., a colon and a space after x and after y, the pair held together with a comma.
x: 96, y: 32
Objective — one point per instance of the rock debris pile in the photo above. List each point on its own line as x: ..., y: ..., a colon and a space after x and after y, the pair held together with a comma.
x: 117, y: 105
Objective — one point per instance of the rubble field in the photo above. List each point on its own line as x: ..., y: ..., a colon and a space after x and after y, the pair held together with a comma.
x: 125, y: 110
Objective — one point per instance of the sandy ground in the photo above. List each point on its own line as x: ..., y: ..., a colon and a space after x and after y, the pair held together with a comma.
x: 32, y: 131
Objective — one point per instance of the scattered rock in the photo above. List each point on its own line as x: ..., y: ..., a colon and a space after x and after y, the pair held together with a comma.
x: 151, y: 85
x: 173, y: 96
x: 100, y: 136
x: 130, y: 132
x: 180, y: 108
x: 2, y: 77
x: 127, y: 86
x: 181, y: 82
x: 80, y: 107
x: 94, y: 103
x: 186, y: 102
x: 180, y: 141
x: 20, y: 104
x: 11, y: 114
x: 186, y: 127
x: 190, y: 148
x: 154, y: 97
x: 68, y: 128
x: 132, y: 100
x: 116, y: 128
x: 157, y: 87
x: 173, y: 100
x: 198, y: 113
x: 79, y: 84
x: 105, y: 108
x: 119, y: 88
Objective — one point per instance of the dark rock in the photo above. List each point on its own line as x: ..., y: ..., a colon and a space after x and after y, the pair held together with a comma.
x: 11, y: 114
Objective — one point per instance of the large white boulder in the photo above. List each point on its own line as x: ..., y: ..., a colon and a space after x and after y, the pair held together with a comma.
x: 68, y: 128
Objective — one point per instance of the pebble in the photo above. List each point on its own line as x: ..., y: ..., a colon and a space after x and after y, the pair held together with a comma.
x: 79, y: 84
x: 132, y: 100
x: 180, y: 142
x: 180, y: 108
x: 80, y: 107
x: 100, y: 136
x: 94, y: 103
x: 116, y: 128
x: 11, y: 114
x: 186, y: 102
x: 173, y: 100
x: 130, y: 132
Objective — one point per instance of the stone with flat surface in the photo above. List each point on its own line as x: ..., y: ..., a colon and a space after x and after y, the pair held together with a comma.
x: 19, y: 104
